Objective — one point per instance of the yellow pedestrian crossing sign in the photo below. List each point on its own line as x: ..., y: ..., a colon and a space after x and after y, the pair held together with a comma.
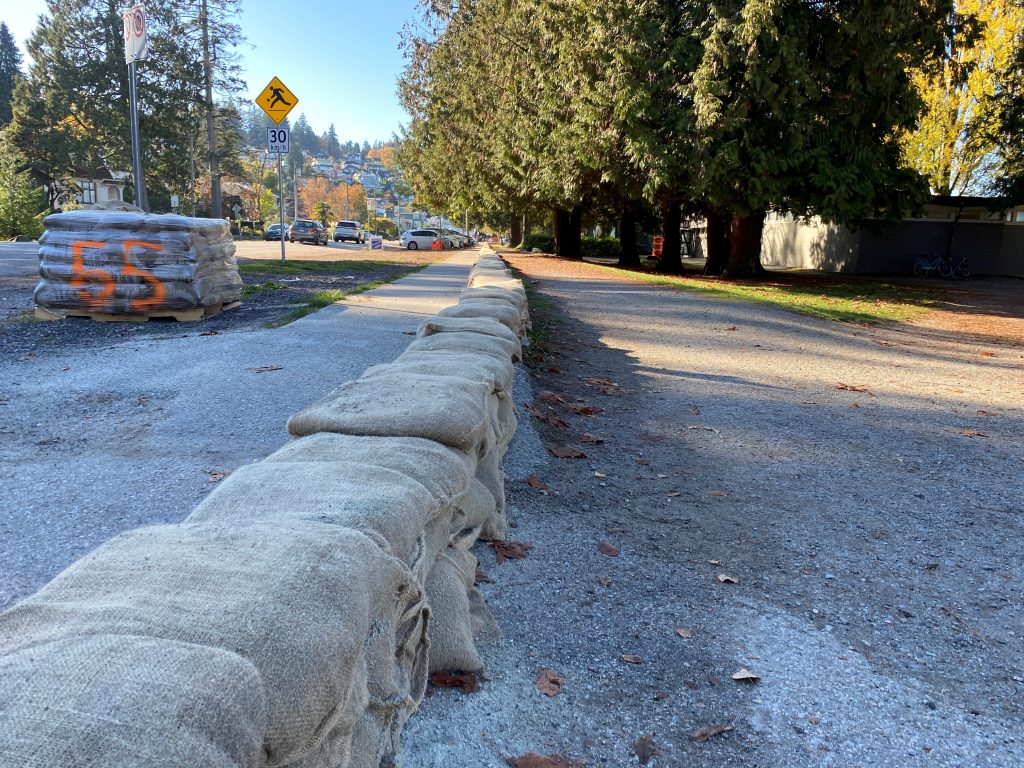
x: 276, y: 100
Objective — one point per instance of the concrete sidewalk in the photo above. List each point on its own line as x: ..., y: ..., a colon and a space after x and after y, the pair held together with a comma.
x: 97, y: 441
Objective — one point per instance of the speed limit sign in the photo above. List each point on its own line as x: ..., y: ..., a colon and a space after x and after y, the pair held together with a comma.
x: 277, y: 140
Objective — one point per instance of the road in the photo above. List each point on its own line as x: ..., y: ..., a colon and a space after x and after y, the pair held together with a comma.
x: 19, y: 259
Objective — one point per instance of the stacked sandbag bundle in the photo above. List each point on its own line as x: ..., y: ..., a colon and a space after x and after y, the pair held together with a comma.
x: 127, y: 262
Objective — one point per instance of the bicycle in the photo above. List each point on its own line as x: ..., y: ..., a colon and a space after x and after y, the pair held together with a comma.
x: 956, y: 268
x: 928, y: 265
x: 940, y: 265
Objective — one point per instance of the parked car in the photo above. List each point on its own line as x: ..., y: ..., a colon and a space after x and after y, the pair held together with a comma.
x: 273, y: 232
x: 424, y: 239
x: 458, y: 239
x: 349, y: 230
x: 307, y: 231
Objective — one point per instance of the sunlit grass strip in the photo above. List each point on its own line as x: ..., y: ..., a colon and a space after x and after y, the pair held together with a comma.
x: 321, y: 299
x: 869, y: 302
x: 305, y: 267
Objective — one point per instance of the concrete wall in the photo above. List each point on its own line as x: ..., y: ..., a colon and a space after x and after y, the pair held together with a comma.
x: 811, y: 245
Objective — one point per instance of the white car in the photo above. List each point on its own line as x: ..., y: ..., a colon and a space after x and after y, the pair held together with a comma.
x: 349, y: 230
x: 422, y: 239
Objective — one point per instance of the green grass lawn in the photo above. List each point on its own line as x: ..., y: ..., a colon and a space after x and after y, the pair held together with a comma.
x: 852, y: 301
x: 295, y: 268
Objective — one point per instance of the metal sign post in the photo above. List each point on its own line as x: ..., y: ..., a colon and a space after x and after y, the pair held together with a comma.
x: 277, y: 141
x: 136, y: 48
x: 277, y: 101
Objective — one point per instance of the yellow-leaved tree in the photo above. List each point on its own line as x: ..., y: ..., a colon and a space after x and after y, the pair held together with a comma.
x: 952, y: 146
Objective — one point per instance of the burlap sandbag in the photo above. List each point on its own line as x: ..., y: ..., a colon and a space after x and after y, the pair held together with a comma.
x: 485, y: 280
x: 316, y: 609
x: 467, y: 342
x: 131, y: 702
x: 450, y: 411
x: 497, y: 372
x: 517, y: 299
x: 452, y: 647
x: 491, y: 475
x: 386, y: 505
x: 474, y: 507
x: 449, y: 324
x: 443, y: 471
x: 496, y: 309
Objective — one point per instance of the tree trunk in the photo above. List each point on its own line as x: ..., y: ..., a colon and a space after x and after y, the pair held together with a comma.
x: 745, y: 246
x: 628, y: 256
x: 568, y: 235
x: 515, y: 237
x: 717, y: 251
x: 671, y: 260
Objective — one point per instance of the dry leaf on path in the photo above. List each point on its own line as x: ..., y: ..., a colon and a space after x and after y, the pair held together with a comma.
x: 267, y: 368
x: 510, y: 550
x: 989, y: 354
x: 467, y: 682
x: 535, y: 482
x: 584, y: 410
x: 705, y: 732
x: 651, y: 438
x: 629, y: 658
x: 645, y: 748
x: 744, y: 675
x: 706, y: 429
x: 533, y: 760
x: 592, y: 439
x: 607, y: 549
x: 718, y: 493
x: 481, y: 577
x: 684, y: 632
x: 725, y: 579
x: 853, y: 388
x: 215, y: 475
x: 536, y: 412
x: 714, y: 562
x: 967, y: 432
x: 550, y: 397
x: 641, y: 461
x: 567, y: 452
x: 555, y: 421
x: 550, y: 682
x: 600, y: 475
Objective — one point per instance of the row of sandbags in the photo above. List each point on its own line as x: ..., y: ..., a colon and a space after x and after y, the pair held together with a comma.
x: 131, y: 262
x: 293, y: 618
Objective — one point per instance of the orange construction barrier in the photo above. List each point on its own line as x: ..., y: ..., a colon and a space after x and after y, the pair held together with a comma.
x: 437, y: 245
x: 658, y: 245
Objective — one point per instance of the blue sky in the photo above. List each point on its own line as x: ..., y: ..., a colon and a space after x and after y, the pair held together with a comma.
x: 340, y: 59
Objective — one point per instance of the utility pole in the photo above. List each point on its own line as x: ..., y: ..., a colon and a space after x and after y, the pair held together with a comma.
x: 211, y: 133
x: 296, y: 172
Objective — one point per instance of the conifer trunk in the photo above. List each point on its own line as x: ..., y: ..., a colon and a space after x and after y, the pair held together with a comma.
x: 717, y: 237
x: 628, y: 256
x: 515, y: 226
x: 745, y: 246
x: 568, y: 235
x: 671, y: 261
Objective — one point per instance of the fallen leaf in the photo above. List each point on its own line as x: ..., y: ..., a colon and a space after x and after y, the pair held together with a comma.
x: 536, y: 412
x: 718, y: 493
x: 695, y: 411
x: 651, y: 438
x: 567, y: 452
x: 641, y: 461
x: 851, y: 387
x: 210, y: 333
x: 510, y: 550
x: 267, y: 368
x: 684, y: 632
x: 629, y: 658
x: 967, y: 432
x: 533, y: 760
x: 481, y: 577
x: 744, y: 675
x: 467, y: 682
x: 989, y: 354
x: 645, y: 748
x: 215, y: 476
x: 550, y: 397
x: 886, y: 343
x: 602, y: 382
x: 555, y: 421
x: 592, y: 439
x: 714, y: 562
x: 535, y: 482
x: 675, y: 493
x: 607, y: 549
x: 600, y: 475
x: 931, y: 567
x: 705, y: 732
x: 728, y: 579
x: 550, y: 682
x: 584, y: 410
x: 706, y: 429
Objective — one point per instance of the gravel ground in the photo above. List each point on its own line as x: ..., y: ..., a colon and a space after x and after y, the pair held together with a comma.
x: 861, y: 485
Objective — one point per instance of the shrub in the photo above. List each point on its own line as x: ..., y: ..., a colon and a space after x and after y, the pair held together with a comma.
x: 540, y: 240
x: 601, y: 248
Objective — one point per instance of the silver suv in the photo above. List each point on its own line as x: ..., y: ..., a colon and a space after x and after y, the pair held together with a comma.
x: 349, y: 230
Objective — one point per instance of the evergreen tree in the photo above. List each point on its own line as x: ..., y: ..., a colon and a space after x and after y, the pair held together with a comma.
x: 332, y: 146
x: 21, y: 206
x: 10, y: 72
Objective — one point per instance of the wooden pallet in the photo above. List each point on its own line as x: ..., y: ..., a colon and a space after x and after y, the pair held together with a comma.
x: 181, y: 315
